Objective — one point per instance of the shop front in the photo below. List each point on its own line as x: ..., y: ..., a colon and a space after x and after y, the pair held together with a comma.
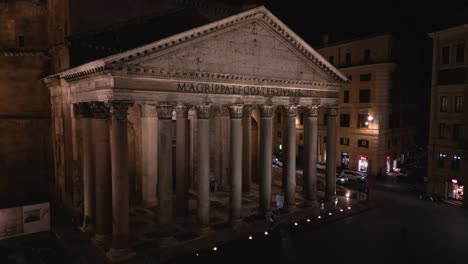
x: 363, y: 163
x: 455, y: 190
x: 344, y: 160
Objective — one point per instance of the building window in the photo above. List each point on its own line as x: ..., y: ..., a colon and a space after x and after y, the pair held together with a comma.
x: 457, y: 131
x: 279, y: 134
x: 346, y: 96
x: 441, y: 160
x: 443, y: 103
x: 362, y: 121
x: 344, y: 141
x: 452, y: 76
x: 362, y: 143
x: 331, y: 59
x: 324, y: 139
x: 301, y: 118
x: 348, y: 59
x: 365, y: 77
x: 301, y: 136
x: 278, y: 116
x: 459, y: 104
x: 20, y: 41
x: 344, y: 120
x: 390, y: 121
x: 364, y: 96
x: 445, y: 55
x: 367, y: 56
x: 442, y: 131
x: 325, y: 119
x: 460, y: 56
x: 456, y: 162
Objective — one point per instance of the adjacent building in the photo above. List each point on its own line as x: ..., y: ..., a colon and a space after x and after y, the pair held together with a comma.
x: 379, y: 108
x: 448, y: 145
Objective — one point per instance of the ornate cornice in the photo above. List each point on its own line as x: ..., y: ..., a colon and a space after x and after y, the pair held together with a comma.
x: 247, y: 110
x: 82, y: 110
x: 165, y: 110
x: 332, y: 110
x: 266, y: 111
x: 181, y: 110
x: 312, y: 110
x: 203, y: 111
x: 100, y: 110
x: 235, y: 111
x: 290, y: 110
x: 148, y: 110
x: 119, y: 108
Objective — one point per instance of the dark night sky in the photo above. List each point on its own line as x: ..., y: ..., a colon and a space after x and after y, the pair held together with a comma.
x: 349, y: 19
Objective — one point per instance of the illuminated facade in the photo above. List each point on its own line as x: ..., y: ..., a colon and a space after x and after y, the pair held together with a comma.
x: 376, y: 129
x: 448, y: 149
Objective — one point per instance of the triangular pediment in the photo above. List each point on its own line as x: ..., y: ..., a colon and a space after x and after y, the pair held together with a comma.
x: 253, y: 43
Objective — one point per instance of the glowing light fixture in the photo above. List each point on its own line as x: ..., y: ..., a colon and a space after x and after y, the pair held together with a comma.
x: 349, y: 207
x: 295, y: 223
x: 370, y: 118
x: 250, y: 237
x: 341, y: 210
x: 266, y: 233
x: 215, y: 248
x: 308, y: 220
x: 319, y: 217
x: 329, y: 213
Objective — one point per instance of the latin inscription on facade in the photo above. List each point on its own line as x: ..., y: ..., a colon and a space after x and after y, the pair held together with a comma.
x: 210, y: 88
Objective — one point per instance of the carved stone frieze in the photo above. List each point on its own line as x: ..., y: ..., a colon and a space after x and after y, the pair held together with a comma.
x: 247, y: 110
x: 119, y: 109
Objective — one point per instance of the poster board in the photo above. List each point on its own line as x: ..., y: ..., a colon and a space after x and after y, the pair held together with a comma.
x: 24, y: 220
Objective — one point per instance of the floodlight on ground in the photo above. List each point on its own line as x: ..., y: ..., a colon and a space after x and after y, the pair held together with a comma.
x: 341, y: 210
x: 349, y: 207
x: 215, y: 248
x: 308, y: 220
x: 319, y: 217
x: 295, y: 223
x: 250, y: 237
x: 329, y: 213
x: 266, y: 233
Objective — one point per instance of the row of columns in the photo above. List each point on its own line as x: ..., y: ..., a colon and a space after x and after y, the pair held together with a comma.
x: 106, y: 178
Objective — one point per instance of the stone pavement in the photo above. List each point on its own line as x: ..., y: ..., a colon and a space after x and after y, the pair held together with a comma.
x: 187, y: 240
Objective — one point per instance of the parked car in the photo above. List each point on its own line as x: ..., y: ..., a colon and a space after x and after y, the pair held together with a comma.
x: 352, y: 175
x: 321, y: 166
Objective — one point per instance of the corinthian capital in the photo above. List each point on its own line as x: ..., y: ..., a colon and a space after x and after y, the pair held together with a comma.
x: 82, y: 110
x: 165, y: 110
x: 312, y: 110
x: 290, y: 110
x: 203, y: 111
x: 267, y: 110
x: 235, y: 111
x: 181, y: 111
x: 119, y: 109
x: 99, y: 110
x: 148, y: 110
x: 332, y: 110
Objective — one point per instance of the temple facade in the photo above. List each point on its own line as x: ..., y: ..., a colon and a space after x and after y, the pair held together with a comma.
x: 192, y: 113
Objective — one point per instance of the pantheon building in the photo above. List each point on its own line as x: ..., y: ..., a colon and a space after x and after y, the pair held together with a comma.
x: 193, y: 112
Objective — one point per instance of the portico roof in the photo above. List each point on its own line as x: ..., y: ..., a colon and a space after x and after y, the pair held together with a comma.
x: 134, y: 59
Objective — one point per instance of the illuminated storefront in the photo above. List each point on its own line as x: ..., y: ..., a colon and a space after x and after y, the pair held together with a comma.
x: 363, y: 163
x: 455, y: 190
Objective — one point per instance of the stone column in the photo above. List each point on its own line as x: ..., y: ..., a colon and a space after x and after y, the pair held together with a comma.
x: 119, y: 250
x: 203, y: 181
x: 149, y: 153
x: 266, y: 112
x: 330, y: 190
x: 182, y: 160
x: 290, y: 157
x: 310, y: 164
x: 246, y: 149
x: 99, y: 124
x: 236, y: 163
x: 83, y: 111
x: 165, y: 171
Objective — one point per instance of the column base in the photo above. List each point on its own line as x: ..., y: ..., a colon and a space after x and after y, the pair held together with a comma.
x: 204, y: 231
x: 87, y: 228
x: 311, y: 203
x: 100, y: 240
x: 237, y: 223
x: 329, y: 198
x: 165, y: 242
x: 120, y: 255
x: 290, y: 208
x: 149, y: 204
